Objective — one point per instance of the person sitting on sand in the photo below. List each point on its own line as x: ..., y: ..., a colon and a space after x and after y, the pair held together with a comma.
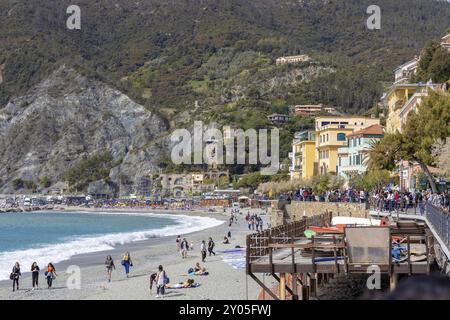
x: 225, y: 240
x: 199, y: 268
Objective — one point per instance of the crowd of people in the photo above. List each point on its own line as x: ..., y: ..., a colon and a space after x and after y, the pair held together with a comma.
x: 382, y: 200
x: 394, y: 200
x: 254, y: 222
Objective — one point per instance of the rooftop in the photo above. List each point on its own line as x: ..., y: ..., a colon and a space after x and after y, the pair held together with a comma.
x: 375, y: 129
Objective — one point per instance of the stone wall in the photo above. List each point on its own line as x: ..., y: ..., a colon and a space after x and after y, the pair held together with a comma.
x: 282, y: 212
x: 297, y: 209
x: 278, y: 212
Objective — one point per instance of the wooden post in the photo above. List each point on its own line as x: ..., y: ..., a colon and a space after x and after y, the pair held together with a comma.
x: 409, y: 256
x: 393, y: 281
x: 282, y: 286
x: 294, y: 286
x: 313, y: 284
x: 305, y: 287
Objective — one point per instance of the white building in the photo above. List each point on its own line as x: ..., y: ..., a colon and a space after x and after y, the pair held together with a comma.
x: 403, y: 72
x: 293, y: 59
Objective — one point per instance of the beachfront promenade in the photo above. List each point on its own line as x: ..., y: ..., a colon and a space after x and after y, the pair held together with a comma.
x: 147, y: 255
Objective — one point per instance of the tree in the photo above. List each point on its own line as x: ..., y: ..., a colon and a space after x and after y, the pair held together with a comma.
x: 371, y: 180
x: 415, y: 144
x: 434, y: 64
x: 442, y: 153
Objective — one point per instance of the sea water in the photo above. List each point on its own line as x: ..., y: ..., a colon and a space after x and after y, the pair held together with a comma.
x: 57, y: 236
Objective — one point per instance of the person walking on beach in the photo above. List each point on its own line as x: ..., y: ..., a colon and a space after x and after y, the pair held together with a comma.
x: 109, y: 267
x: 127, y: 263
x: 211, y: 245
x: 50, y: 274
x: 15, y: 274
x: 35, y: 275
x: 178, y: 241
x: 184, y: 248
x: 203, y: 250
x: 160, y: 282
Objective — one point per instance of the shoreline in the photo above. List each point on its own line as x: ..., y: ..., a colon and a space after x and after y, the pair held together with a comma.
x: 134, y: 244
x: 147, y: 255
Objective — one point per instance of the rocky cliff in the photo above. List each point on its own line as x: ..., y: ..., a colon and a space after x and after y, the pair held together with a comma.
x: 67, y: 118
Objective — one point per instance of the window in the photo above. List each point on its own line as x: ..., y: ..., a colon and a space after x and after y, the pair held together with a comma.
x: 341, y: 136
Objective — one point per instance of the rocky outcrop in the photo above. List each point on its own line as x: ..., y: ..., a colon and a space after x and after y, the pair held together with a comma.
x: 69, y: 117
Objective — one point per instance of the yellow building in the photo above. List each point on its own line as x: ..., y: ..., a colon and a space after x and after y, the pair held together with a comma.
x: 331, y: 134
x: 303, y: 155
x: 394, y: 100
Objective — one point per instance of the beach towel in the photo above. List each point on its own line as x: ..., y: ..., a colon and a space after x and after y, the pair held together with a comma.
x: 198, y: 274
x: 235, y: 257
x: 180, y: 286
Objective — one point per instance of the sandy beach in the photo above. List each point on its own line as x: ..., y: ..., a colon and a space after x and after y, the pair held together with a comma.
x: 223, y: 281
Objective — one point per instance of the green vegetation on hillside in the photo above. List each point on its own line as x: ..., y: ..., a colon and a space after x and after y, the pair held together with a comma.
x: 96, y: 167
x: 434, y: 64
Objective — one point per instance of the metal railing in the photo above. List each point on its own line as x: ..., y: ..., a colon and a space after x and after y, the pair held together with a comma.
x: 440, y: 221
x: 258, y: 244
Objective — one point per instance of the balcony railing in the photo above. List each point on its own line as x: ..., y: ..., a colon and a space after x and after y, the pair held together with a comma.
x: 440, y: 221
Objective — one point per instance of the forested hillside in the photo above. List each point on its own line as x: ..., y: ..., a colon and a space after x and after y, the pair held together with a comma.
x: 167, y: 54
x: 95, y: 107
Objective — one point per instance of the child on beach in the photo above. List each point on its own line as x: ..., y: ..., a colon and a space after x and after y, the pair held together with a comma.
x: 127, y: 263
x: 109, y: 267
x: 152, y: 280
x: 35, y: 275
x: 15, y: 274
x: 50, y: 274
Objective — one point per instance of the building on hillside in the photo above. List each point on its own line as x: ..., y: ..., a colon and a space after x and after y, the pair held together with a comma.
x: 181, y: 185
x: 303, y: 155
x: 401, y: 99
x: 331, y: 134
x: 353, y: 157
x: 293, y: 59
x: 311, y: 110
x: 403, y: 72
x: 445, y: 42
x: 278, y: 118
x: 393, y: 102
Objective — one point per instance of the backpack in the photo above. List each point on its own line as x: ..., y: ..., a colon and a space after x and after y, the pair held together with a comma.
x: 166, y: 278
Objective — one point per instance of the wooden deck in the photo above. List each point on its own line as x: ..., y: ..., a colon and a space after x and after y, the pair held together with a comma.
x: 284, y: 261
x: 284, y: 250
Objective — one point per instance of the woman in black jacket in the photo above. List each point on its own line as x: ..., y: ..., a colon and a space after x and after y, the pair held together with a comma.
x: 35, y: 275
x: 15, y: 274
